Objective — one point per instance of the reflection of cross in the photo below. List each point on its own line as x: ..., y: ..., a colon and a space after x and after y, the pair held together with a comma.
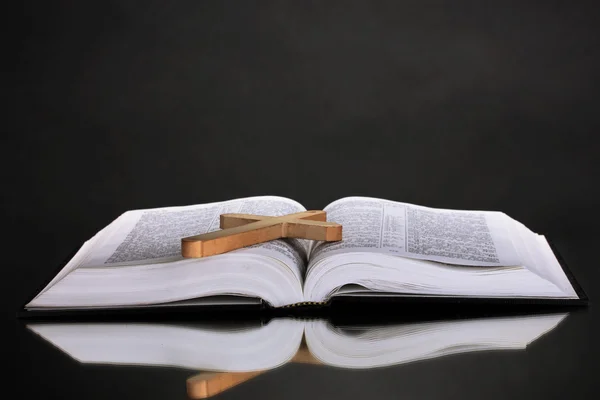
x: 242, y: 230
x: 208, y: 384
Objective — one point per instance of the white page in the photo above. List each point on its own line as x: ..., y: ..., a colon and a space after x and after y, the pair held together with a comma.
x: 371, y: 347
x: 153, y: 236
x: 236, y: 348
x: 241, y: 348
x: 475, y: 238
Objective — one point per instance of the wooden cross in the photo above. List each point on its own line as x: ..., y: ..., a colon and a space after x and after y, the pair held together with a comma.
x: 242, y: 230
x: 208, y: 384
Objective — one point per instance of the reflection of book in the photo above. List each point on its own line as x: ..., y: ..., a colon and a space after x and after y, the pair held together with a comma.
x: 246, y: 351
x: 389, y: 250
x: 207, y: 384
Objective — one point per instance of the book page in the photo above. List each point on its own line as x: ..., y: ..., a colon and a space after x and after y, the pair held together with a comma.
x: 243, y: 346
x: 393, y: 344
x: 474, y: 238
x: 153, y: 236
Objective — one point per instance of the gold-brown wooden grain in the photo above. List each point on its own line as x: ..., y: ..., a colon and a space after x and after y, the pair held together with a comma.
x: 242, y: 230
x: 208, y: 384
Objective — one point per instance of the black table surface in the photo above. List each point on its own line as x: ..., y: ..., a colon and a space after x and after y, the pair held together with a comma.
x: 124, y: 105
x: 561, y: 364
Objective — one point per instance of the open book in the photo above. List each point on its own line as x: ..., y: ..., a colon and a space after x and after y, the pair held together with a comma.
x: 389, y: 249
x: 257, y: 348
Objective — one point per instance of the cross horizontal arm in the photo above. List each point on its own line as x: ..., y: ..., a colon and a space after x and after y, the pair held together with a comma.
x: 218, y: 242
x: 314, y: 230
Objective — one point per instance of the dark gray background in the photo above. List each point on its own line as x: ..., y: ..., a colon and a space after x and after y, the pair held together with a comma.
x: 470, y: 105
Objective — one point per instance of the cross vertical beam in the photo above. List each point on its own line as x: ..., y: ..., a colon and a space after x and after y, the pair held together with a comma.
x: 242, y: 230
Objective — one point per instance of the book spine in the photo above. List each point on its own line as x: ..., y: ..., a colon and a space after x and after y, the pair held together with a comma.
x: 302, y: 310
x: 304, y: 304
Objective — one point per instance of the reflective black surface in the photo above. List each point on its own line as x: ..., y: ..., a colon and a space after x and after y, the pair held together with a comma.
x: 561, y: 363
x: 125, y: 105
